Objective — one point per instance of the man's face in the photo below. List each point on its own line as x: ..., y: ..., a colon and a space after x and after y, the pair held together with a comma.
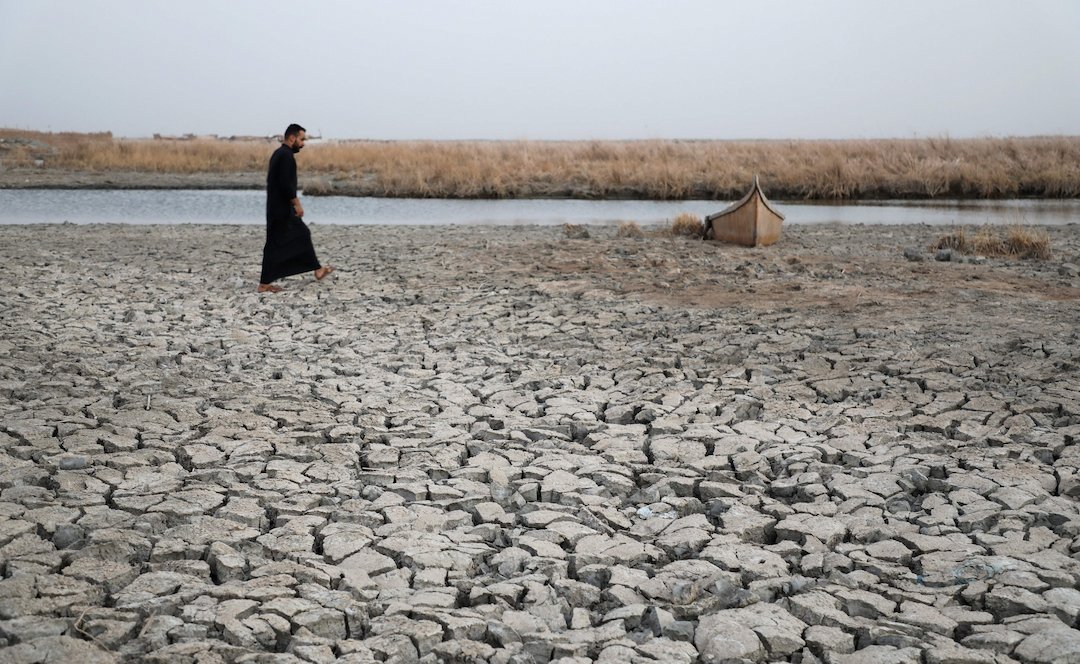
x: 296, y: 142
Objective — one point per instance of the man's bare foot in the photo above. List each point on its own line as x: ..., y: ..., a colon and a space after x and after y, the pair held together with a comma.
x: 323, y: 271
x: 269, y: 288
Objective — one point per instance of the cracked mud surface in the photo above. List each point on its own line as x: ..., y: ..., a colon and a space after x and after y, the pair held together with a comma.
x: 499, y: 445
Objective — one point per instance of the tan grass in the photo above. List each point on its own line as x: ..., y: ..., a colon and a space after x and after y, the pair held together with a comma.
x: 685, y: 224
x: 1028, y: 242
x: 987, y: 243
x: 652, y: 169
x: 318, y: 187
x: 630, y: 229
x: 954, y: 240
x: 688, y: 224
x: 1017, y: 241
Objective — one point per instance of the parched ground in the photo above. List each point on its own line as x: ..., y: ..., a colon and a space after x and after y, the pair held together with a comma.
x: 491, y: 444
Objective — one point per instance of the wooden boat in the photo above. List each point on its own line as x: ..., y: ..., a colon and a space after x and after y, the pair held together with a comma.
x: 751, y: 221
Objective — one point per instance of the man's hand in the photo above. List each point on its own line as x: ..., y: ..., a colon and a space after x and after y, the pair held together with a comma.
x: 299, y: 209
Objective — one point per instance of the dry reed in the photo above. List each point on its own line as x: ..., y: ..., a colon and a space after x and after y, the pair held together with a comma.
x: 955, y: 240
x: 630, y: 229
x: 318, y: 187
x: 1018, y: 241
x: 688, y: 224
x: 685, y: 224
x: 653, y: 169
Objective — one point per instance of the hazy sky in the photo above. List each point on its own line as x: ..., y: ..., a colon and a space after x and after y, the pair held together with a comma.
x: 544, y: 69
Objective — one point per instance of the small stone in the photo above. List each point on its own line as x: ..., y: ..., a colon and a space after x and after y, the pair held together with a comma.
x: 1064, y: 603
x: 679, y: 630
x: 956, y: 654
x: 370, y: 562
x: 326, y: 623
x: 1002, y: 642
x: 1006, y: 601
x: 58, y: 650
x: 914, y: 254
x: 926, y: 617
x: 1055, y: 646
x: 580, y: 619
x: 890, y: 551
x: 827, y: 641
x: 721, y: 639
x: 880, y: 655
x: 798, y: 526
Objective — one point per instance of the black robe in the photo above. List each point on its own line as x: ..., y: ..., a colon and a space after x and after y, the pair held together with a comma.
x: 288, y: 248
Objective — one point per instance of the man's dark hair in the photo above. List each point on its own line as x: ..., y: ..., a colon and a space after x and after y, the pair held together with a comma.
x: 293, y: 130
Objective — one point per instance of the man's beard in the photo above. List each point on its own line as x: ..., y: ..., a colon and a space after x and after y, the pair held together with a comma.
x: 295, y: 148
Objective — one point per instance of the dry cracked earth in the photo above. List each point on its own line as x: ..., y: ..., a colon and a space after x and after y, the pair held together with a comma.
x: 490, y: 444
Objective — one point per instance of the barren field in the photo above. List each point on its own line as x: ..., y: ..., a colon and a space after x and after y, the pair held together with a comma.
x: 493, y: 444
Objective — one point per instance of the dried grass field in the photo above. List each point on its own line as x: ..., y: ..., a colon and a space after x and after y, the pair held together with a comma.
x: 654, y: 169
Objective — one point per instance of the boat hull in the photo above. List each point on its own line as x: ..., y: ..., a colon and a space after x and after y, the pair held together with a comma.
x: 752, y: 221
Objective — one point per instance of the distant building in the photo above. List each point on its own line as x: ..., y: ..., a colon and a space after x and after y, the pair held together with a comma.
x: 251, y: 139
x: 273, y: 138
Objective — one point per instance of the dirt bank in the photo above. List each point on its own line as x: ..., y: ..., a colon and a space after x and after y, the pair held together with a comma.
x: 22, y: 178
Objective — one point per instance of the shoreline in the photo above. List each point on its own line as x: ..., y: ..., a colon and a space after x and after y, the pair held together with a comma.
x: 56, y: 179
x: 15, y: 178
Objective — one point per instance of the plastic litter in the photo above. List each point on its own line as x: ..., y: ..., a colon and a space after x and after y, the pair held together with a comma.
x: 968, y: 572
x: 646, y: 513
x: 74, y: 462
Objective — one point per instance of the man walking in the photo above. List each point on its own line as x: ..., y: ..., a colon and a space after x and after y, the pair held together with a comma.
x: 288, y: 248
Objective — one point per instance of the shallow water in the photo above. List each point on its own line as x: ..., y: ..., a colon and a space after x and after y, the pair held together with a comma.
x: 28, y: 206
